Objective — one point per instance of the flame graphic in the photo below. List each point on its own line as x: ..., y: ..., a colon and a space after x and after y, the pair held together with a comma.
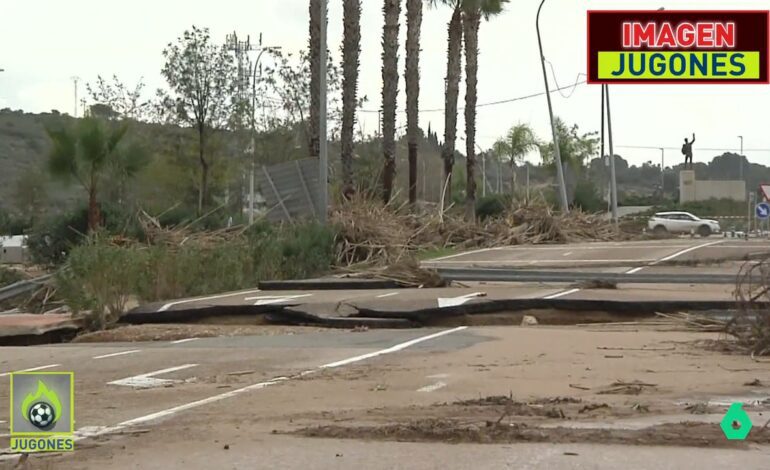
x: 43, y: 393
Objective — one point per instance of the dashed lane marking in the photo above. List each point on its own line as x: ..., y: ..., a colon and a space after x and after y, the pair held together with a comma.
x: 391, y: 294
x: 432, y: 387
x: 32, y: 369
x: 186, y: 340
x: 561, y: 294
x: 121, y: 353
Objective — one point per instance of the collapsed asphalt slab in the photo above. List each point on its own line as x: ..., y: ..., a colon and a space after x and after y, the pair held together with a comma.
x: 305, y: 314
x: 30, y: 329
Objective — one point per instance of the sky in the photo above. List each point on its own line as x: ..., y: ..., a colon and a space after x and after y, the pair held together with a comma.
x: 47, y: 42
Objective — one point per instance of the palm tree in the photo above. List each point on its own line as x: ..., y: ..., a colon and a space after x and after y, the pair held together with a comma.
x: 391, y: 10
x: 86, y: 152
x: 473, y: 12
x: 519, y: 141
x: 412, y: 79
x: 452, y: 88
x: 351, y: 50
x: 315, y: 77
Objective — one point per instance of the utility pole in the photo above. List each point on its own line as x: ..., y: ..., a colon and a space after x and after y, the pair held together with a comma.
x: 613, y: 181
x: 323, y: 176
x: 75, y: 80
x: 662, y: 172
x: 556, y: 151
x: 740, y: 160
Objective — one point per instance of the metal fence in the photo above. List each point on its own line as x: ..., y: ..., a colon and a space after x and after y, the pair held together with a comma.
x: 289, y: 189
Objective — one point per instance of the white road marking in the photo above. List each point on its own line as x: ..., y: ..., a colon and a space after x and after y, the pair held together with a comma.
x: 514, y: 262
x: 391, y: 349
x: 199, y: 299
x: 33, y: 369
x: 92, y: 431
x: 567, y: 253
x: 438, y: 376
x: 122, y: 353
x: 432, y: 387
x: 675, y: 255
x: 186, y: 340
x: 148, y: 380
x: 275, y: 299
x: 387, y: 295
x: 483, y: 250
x: 444, y: 302
x: 561, y: 294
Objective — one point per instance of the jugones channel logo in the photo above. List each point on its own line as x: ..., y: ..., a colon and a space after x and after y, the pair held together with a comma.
x: 42, y: 411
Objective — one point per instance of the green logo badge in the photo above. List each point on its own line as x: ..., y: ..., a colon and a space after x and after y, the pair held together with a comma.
x: 736, y: 424
x: 42, y: 411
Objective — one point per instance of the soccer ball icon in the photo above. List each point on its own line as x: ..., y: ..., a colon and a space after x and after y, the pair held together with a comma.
x: 41, y: 415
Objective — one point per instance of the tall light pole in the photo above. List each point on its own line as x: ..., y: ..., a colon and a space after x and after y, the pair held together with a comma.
x: 613, y: 181
x: 254, y: 123
x: 662, y: 171
x: 75, y: 81
x: 740, y: 160
x: 323, y: 170
x: 557, y: 152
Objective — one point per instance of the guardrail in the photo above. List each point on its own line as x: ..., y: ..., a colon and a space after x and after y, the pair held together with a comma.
x: 22, y: 287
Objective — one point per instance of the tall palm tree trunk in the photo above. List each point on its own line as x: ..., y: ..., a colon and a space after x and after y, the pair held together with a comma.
x: 391, y: 10
x: 314, y: 47
x: 453, y: 71
x: 412, y: 78
x: 471, y: 22
x: 351, y: 51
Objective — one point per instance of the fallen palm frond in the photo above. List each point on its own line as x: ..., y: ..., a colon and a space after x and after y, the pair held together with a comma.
x: 693, y: 322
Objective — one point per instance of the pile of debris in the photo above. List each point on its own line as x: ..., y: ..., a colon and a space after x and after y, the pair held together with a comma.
x: 179, y: 235
x: 372, y: 234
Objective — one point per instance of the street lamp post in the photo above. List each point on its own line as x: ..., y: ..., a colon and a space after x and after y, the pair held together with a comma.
x: 557, y: 153
x: 323, y: 173
x: 613, y: 181
x: 740, y: 160
x: 254, y: 124
x: 662, y: 172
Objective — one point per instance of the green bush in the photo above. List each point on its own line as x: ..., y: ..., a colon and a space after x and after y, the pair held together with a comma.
x: 101, y: 276
x: 52, y: 238
x: 491, y: 206
x: 587, y: 197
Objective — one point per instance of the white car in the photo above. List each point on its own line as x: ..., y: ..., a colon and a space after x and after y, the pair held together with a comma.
x: 681, y: 222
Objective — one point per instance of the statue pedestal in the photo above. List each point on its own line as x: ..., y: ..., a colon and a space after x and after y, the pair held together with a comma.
x: 686, y: 185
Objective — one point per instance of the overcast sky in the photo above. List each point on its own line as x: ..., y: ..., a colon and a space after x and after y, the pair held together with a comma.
x: 48, y: 41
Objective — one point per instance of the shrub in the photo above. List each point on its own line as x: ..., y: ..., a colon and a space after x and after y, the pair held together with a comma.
x: 102, y: 276
x: 587, y: 197
x: 491, y: 206
x: 52, y: 238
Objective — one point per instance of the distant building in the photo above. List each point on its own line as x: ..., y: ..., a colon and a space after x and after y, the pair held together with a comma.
x: 13, y: 249
x: 691, y: 189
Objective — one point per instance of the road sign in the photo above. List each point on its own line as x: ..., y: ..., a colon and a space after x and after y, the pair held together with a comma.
x: 763, y: 210
x: 765, y: 188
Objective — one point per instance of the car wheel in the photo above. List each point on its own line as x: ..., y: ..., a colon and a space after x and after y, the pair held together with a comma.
x: 704, y: 231
x: 660, y: 230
